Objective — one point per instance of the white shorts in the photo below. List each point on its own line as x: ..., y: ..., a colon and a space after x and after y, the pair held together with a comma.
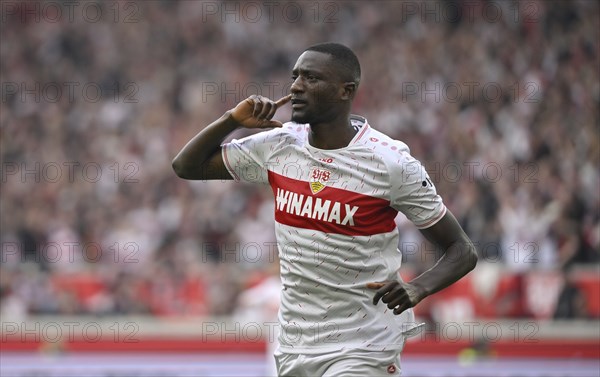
x: 344, y: 362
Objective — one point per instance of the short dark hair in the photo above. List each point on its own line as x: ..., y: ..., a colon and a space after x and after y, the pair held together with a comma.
x: 341, y: 55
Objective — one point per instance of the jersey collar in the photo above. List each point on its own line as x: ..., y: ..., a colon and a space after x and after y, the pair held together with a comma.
x: 358, y: 122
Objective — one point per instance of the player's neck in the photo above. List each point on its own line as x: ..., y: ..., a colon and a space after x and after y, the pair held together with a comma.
x: 326, y: 136
x: 332, y: 135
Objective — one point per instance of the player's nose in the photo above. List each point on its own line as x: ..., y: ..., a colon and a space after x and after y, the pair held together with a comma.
x: 297, y: 86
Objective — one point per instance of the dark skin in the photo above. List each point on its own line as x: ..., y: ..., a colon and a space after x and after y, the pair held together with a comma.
x: 321, y: 95
x: 458, y: 258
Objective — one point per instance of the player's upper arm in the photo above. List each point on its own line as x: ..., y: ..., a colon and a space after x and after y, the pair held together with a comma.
x: 248, y: 159
x: 445, y: 232
x: 213, y: 168
x: 412, y: 192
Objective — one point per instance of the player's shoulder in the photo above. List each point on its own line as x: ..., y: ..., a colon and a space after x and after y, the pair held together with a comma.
x: 293, y: 130
x: 384, y: 146
x: 289, y: 133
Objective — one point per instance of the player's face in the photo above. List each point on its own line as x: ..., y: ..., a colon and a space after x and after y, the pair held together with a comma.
x: 316, y: 89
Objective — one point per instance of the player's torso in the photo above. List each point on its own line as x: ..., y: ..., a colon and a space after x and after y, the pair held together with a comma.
x: 343, y: 191
x: 335, y: 231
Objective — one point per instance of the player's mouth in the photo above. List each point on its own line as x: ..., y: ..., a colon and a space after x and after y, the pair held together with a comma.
x: 298, y: 103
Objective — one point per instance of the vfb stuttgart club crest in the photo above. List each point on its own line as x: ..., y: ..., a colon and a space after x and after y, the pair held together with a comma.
x: 318, y: 179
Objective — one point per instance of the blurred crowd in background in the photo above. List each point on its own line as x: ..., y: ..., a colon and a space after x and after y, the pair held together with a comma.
x: 499, y: 100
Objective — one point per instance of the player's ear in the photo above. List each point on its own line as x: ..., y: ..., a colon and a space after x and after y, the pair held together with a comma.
x: 349, y: 90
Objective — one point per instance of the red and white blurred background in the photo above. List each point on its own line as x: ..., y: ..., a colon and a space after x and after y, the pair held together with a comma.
x: 111, y: 265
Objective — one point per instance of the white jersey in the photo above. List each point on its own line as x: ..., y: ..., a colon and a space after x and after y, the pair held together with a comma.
x: 334, y: 220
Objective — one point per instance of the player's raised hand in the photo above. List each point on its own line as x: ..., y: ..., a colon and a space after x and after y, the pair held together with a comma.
x: 398, y: 295
x: 257, y: 111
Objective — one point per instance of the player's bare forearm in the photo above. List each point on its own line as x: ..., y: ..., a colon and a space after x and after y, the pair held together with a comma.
x: 458, y: 258
x: 200, y: 157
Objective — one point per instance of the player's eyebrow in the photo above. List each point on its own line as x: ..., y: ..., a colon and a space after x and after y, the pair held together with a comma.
x: 305, y: 71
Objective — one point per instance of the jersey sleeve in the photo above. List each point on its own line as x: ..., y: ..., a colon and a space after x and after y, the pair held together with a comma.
x: 413, y: 192
x: 246, y: 159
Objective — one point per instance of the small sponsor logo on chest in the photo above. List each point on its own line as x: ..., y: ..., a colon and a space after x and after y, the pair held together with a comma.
x: 318, y: 179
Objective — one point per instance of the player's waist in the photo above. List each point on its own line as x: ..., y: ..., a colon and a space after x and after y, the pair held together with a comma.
x: 360, y: 331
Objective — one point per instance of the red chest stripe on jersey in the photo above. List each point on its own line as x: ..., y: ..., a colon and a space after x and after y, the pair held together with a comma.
x: 332, y: 210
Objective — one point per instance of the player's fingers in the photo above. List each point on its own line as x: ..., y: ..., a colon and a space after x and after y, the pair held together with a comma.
x: 283, y: 100
x: 376, y: 285
x: 397, y: 300
x: 267, y: 106
x: 402, y: 307
x: 272, y: 111
x: 270, y: 108
x: 258, y: 105
x: 271, y: 124
x: 393, y: 298
x: 382, y: 291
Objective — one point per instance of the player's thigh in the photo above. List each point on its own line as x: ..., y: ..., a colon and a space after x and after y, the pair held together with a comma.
x: 365, y: 364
